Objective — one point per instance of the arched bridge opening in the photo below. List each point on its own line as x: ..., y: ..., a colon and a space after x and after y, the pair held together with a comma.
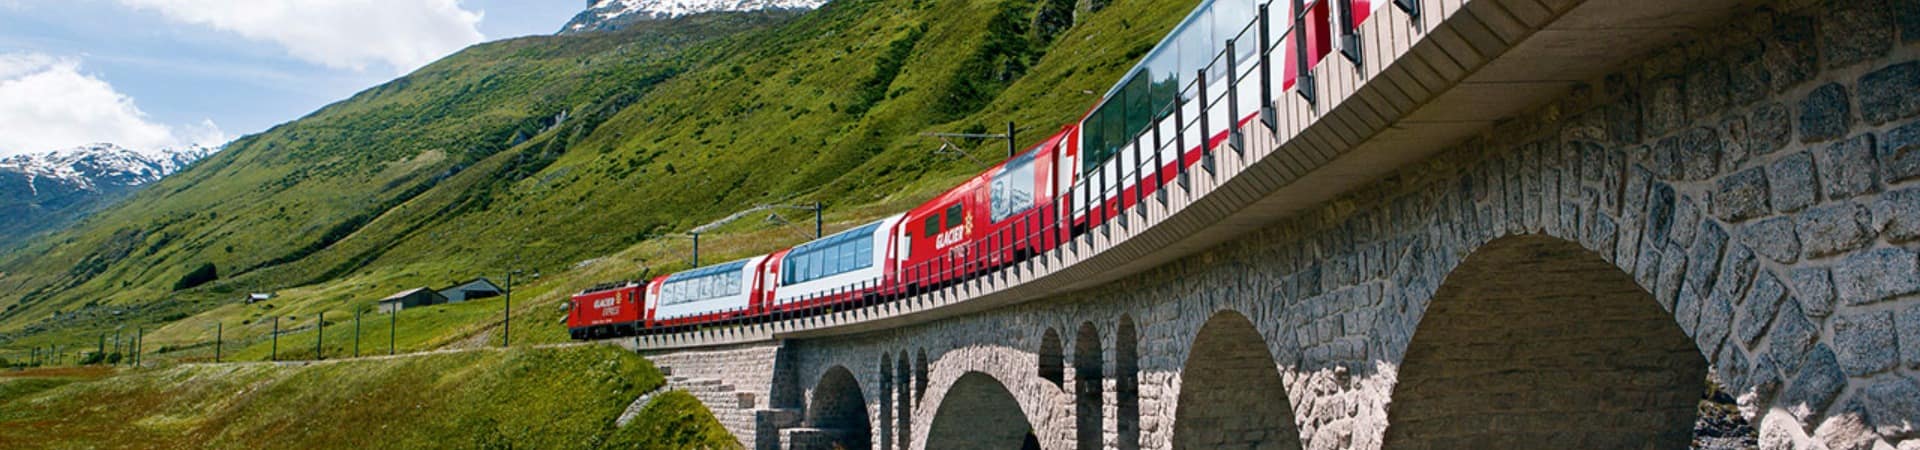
x: 838, y: 413
x: 979, y: 412
x: 1536, y: 342
x: 1232, y: 395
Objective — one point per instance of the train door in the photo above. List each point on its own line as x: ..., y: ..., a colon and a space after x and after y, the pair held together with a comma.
x: 770, y: 280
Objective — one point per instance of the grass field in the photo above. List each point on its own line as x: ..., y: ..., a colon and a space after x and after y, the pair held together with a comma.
x: 521, y: 398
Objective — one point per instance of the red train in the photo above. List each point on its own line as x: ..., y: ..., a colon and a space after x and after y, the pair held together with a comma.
x: 1144, y: 133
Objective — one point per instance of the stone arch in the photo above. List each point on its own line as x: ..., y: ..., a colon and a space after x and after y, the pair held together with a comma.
x: 1231, y: 393
x: 905, y: 400
x: 978, y: 412
x: 1535, y: 341
x: 1088, y: 387
x: 1053, y: 363
x: 1126, y: 383
x: 1047, y: 407
x: 839, y: 410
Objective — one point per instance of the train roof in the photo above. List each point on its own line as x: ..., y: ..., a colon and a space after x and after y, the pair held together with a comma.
x: 734, y: 266
x: 608, y: 286
x: 844, y: 235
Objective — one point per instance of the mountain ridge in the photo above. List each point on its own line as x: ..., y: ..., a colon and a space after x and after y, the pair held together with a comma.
x: 94, y: 165
x: 612, y: 15
x: 40, y: 192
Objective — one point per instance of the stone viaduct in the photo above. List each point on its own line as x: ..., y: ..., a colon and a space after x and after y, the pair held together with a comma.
x: 1512, y: 224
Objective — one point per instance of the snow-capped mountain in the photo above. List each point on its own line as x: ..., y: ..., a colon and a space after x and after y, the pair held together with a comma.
x: 45, y: 190
x: 608, y: 15
x: 93, y: 167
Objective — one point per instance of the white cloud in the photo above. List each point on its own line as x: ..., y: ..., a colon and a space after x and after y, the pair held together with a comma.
x: 47, y: 103
x: 345, y: 34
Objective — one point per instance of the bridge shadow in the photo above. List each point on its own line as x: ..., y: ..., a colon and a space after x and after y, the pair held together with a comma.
x: 837, y: 415
x: 1536, y: 341
x: 1232, y: 395
x: 979, y: 413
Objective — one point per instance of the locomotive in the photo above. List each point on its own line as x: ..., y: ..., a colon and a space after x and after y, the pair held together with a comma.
x: 1159, y: 121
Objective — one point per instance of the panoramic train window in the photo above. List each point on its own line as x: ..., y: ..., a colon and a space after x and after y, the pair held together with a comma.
x: 702, y: 284
x: 833, y: 255
x: 1150, y: 91
x: 954, y: 215
x: 1012, y: 190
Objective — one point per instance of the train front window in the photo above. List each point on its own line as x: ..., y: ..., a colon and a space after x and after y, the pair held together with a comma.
x: 954, y: 215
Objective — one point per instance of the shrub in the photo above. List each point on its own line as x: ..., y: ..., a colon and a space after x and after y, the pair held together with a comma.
x: 204, y: 274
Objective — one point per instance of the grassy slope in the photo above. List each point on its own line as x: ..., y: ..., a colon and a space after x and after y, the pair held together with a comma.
x: 282, y: 196
x: 784, y: 114
x: 673, y: 420
x: 547, y: 398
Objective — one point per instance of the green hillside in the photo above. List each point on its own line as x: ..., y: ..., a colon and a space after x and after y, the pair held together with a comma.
x: 522, y: 398
x: 571, y: 157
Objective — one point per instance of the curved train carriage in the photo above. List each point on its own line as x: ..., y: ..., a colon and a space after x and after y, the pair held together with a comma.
x: 1161, y: 119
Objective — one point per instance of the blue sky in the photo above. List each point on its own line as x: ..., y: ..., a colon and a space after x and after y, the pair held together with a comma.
x: 154, y: 73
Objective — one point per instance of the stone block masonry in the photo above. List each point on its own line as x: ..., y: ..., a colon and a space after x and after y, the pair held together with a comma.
x: 735, y: 383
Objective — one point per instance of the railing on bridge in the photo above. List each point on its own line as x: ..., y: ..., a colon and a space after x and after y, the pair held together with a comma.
x: 1187, y: 131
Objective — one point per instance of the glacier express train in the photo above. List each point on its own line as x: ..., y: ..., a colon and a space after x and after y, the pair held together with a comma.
x: 1162, y: 119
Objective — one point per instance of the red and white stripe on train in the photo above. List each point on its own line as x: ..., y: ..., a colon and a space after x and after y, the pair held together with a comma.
x: 1122, y: 150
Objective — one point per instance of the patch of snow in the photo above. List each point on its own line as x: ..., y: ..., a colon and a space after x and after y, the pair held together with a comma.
x: 601, y: 13
x: 90, y: 167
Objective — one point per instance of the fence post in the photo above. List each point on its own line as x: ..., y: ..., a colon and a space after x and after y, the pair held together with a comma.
x: 1206, y: 130
x: 1179, y: 148
x: 1234, y: 139
x: 139, y: 340
x: 356, y: 333
x: 275, y: 356
x: 319, y: 336
x: 1349, y: 34
x: 1105, y: 214
x: 1303, y: 75
x: 1268, y: 114
x: 393, y: 321
x: 219, y: 335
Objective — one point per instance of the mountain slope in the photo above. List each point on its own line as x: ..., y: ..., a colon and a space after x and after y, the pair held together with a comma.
x: 46, y: 191
x: 277, y: 197
x: 439, y: 175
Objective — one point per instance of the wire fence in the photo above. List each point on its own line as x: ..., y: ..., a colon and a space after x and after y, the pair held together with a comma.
x: 361, y: 335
